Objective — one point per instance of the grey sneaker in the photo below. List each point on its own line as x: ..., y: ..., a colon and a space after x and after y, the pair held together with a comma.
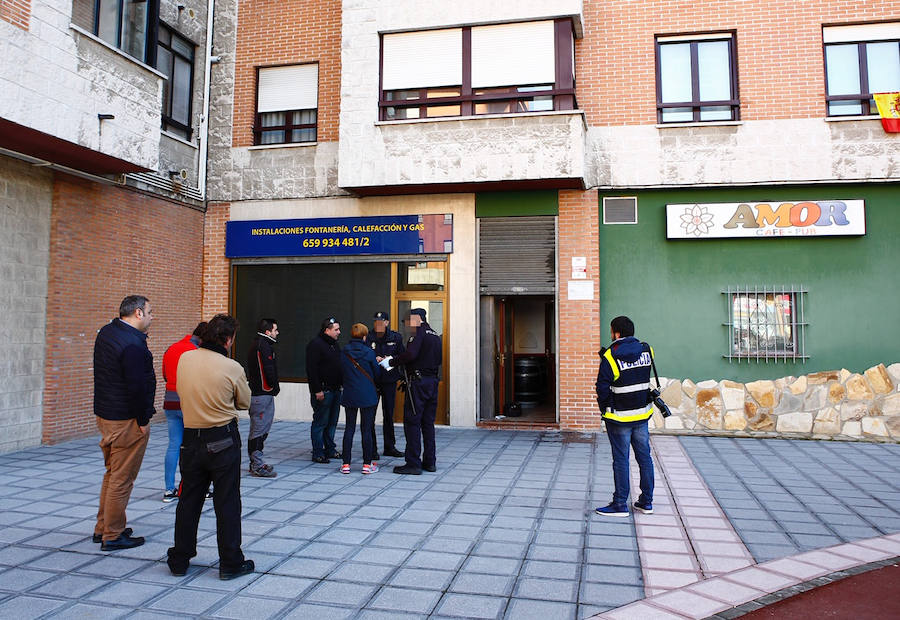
x: 263, y: 472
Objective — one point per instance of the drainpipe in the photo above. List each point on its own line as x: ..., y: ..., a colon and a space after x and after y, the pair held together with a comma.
x: 204, y: 121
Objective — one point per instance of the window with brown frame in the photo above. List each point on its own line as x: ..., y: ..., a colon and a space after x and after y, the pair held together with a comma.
x: 175, y: 58
x: 860, y: 60
x: 696, y: 78
x: 498, y: 69
x: 286, y: 104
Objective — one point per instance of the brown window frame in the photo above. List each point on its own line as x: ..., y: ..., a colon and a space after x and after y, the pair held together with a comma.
x: 289, y: 126
x: 696, y: 103
x: 864, y: 98
x: 169, y: 123
x: 562, y: 91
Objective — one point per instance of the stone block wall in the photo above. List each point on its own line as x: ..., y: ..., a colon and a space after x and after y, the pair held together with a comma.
x: 25, y: 199
x: 836, y: 404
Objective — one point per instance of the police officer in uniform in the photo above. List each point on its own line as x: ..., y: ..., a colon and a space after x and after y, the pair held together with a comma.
x: 422, y: 360
x: 386, y: 343
x: 623, y: 393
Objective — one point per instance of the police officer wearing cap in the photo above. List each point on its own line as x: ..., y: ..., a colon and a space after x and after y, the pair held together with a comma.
x: 422, y: 361
x: 386, y: 343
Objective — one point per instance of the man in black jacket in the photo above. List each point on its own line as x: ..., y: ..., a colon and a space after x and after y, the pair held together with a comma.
x: 323, y: 371
x: 124, y: 393
x: 262, y: 373
x: 386, y: 342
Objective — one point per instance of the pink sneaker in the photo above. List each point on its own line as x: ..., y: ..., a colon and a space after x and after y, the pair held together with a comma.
x: 345, y: 469
x: 370, y: 468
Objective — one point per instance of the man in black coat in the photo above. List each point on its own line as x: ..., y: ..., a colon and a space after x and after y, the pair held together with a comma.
x: 124, y: 393
x: 323, y: 372
x: 386, y: 342
x: 262, y: 374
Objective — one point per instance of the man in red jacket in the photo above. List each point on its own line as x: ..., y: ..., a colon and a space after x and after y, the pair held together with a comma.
x: 172, y: 406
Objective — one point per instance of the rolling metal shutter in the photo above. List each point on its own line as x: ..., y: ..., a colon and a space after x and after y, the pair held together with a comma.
x: 517, y: 255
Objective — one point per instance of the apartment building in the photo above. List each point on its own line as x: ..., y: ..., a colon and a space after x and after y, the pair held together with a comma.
x: 524, y: 171
x: 102, y: 170
x: 720, y: 175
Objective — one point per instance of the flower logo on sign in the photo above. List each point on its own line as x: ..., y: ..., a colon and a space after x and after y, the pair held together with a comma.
x: 696, y: 220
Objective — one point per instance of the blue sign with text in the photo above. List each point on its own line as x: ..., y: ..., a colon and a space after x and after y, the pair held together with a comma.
x: 340, y: 236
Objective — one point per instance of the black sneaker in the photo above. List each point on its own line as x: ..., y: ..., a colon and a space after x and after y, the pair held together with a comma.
x: 124, y: 541
x: 407, y: 470
x: 98, y: 538
x: 321, y: 459
x: 170, y: 496
x: 645, y: 507
x: 393, y: 452
x: 246, y: 567
x: 429, y: 468
x: 334, y: 455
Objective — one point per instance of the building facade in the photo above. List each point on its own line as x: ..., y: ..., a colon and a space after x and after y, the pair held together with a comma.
x: 721, y: 176
x: 102, y: 164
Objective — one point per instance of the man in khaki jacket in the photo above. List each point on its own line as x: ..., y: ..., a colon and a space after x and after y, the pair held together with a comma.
x: 212, y: 388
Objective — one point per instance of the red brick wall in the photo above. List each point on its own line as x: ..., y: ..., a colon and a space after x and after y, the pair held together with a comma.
x: 579, y: 321
x: 216, y: 267
x: 287, y: 32
x: 106, y: 243
x: 16, y: 12
x: 780, y: 58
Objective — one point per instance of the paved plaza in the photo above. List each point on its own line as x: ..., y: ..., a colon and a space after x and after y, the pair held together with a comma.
x: 504, y: 529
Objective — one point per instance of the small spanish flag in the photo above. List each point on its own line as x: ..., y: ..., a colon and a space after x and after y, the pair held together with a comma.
x: 889, y: 109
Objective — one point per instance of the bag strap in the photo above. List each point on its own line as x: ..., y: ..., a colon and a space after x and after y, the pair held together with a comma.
x: 363, y: 371
x: 653, y: 365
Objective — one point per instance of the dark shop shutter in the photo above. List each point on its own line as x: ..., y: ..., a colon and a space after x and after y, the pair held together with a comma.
x: 517, y: 255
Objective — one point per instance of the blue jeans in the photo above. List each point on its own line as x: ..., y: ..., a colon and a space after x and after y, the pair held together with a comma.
x: 366, y: 429
x: 637, y: 435
x: 176, y: 433
x: 324, y: 423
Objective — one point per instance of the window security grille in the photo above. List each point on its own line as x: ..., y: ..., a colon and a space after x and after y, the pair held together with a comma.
x: 621, y: 210
x: 765, y: 323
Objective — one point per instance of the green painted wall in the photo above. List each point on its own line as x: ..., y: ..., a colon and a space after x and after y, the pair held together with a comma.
x: 672, y: 288
x: 506, y: 204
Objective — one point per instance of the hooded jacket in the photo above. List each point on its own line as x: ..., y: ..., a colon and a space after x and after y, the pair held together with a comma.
x: 262, y: 368
x: 623, y: 381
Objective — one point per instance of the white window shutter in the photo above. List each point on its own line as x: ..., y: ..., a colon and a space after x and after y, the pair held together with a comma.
x: 513, y: 54
x: 288, y: 88
x: 861, y: 32
x: 423, y: 59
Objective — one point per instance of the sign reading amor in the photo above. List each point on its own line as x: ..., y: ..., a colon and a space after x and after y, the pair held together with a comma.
x: 811, y: 218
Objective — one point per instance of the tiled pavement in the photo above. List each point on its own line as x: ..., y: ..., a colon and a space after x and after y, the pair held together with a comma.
x: 505, y: 529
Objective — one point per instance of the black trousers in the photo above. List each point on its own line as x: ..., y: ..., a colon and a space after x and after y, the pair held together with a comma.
x: 210, y: 455
x: 388, y: 393
x: 419, y: 412
x: 366, y: 433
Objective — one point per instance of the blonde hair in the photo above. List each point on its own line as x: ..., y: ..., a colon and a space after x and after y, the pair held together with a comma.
x: 359, y: 330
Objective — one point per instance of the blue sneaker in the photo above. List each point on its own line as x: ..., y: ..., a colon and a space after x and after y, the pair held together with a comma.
x: 612, y: 511
x: 645, y: 507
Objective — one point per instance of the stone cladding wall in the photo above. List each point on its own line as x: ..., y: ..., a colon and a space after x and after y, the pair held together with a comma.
x: 836, y: 404
x: 106, y: 243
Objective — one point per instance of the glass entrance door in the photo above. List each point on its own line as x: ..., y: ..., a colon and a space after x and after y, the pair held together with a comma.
x: 423, y: 285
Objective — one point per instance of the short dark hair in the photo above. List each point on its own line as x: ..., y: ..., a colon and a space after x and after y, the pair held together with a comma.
x: 200, y: 329
x: 326, y: 323
x: 622, y: 325
x: 219, y: 329
x: 130, y: 304
x: 265, y: 325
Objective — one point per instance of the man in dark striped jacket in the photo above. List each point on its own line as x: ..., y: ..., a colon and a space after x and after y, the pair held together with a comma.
x: 623, y: 394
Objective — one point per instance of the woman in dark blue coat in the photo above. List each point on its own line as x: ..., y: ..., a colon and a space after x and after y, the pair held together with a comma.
x: 361, y: 372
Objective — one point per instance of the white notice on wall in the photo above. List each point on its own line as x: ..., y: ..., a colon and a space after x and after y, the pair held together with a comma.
x: 581, y: 290
x: 579, y: 267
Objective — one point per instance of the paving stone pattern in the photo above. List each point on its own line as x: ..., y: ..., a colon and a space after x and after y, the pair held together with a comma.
x: 784, y: 497
x: 505, y: 529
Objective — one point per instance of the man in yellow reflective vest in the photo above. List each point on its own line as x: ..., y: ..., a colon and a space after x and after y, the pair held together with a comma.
x: 623, y: 394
